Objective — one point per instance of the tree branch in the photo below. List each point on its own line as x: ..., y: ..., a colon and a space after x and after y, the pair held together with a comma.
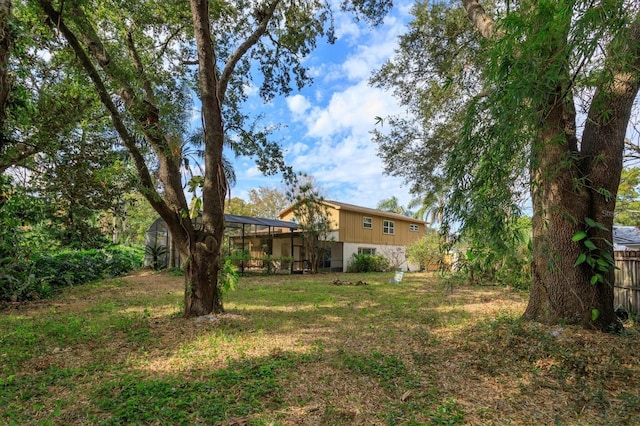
x: 145, y: 113
x: 147, y: 182
x: 612, y: 102
x: 483, y: 22
x: 265, y: 16
x: 138, y: 65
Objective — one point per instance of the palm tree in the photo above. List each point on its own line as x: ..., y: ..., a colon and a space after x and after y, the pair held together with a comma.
x: 191, y: 152
x: 392, y: 205
x: 431, y: 205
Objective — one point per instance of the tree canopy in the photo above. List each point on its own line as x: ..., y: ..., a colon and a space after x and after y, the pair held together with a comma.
x: 523, y: 100
x: 131, y: 69
x: 628, y: 206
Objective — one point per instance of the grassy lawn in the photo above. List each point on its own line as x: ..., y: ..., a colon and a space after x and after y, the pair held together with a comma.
x: 301, y: 350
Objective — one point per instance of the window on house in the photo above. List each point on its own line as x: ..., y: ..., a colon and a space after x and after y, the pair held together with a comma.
x: 367, y: 222
x: 413, y: 227
x: 366, y: 250
x: 388, y: 227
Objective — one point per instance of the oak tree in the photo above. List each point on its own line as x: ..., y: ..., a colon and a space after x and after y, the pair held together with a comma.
x: 145, y: 61
x: 267, y: 202
x: 539, y: 95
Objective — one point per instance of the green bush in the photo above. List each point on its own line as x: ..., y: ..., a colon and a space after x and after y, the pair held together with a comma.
x: 156, y: 253
x: 18, y: 282
x: 368, y: 263
x: 426, y: 252
x: 74, y: 267
x: 33, y: 279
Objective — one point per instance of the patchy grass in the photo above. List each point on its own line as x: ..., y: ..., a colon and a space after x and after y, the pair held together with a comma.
x: 300, y: 350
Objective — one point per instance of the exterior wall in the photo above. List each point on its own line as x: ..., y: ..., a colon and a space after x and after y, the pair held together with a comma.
x: 348, y: 227
x: 352, y: 230
x: 395, y: 253
x: 287, y: 215
x: 347, y: 222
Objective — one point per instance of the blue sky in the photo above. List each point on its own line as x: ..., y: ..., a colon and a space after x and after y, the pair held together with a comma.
x: 327, y: 125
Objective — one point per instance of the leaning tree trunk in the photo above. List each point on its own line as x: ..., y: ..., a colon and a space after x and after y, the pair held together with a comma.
x: 574, y: 189
x: 562, y: 292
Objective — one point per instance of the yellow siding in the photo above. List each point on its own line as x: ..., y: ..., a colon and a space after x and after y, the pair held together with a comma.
x: 352, y: 231
x: 349, y: 225
x: 334, y: 217
x: 288, y: 216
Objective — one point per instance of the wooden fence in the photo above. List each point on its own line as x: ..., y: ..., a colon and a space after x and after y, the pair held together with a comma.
x: 627, y: 281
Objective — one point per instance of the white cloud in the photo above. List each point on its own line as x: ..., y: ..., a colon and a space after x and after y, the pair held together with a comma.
x: 374, y: 49
x: 298, y: 104
x: 195, y: 119
x: 346, y: 28
x: 250, y: 89
x: 296, y: 149
x: 330, y: 124
x: 353, y: 110
x: 252, y: 172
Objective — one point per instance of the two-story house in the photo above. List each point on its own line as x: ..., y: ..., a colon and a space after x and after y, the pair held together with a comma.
x: 278, y: 244
x: 357, y: 230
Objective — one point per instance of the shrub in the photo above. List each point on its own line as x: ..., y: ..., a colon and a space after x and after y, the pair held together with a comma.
x: 18, y: 282
x: 426, y: 252
x: 368, y: 263
x: 74, y: 267
x: 158, y: 256
x: 36, y: 278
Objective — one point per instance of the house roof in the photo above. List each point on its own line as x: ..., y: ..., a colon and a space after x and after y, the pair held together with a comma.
x: 338, y: 205
x: 246, y: 220
x: 626, y: 236
x: 238, y: 220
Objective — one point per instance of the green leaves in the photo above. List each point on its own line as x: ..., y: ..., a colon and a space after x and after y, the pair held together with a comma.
x: 579, y: 236
x: 590, y: 245
x: 627, y: 210
x: 597, y: 258
x: 581, y: 259
x: 228, y: 277
x: 593, y: 224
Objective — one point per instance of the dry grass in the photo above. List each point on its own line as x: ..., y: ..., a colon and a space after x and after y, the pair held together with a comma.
x: 299, y: 350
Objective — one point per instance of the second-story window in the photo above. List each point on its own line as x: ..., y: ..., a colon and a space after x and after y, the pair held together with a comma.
x: 367, y: 222
x: 388, y: 227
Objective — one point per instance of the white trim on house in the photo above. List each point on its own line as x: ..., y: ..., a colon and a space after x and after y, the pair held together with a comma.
x: 395, y: 254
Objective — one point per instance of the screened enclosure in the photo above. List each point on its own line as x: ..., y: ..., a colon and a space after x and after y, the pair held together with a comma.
x: 250, y: 243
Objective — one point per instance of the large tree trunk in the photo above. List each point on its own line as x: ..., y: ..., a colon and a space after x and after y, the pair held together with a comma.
x: 562, y: 292
x: 202, y: 293
x: 575, y: 186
